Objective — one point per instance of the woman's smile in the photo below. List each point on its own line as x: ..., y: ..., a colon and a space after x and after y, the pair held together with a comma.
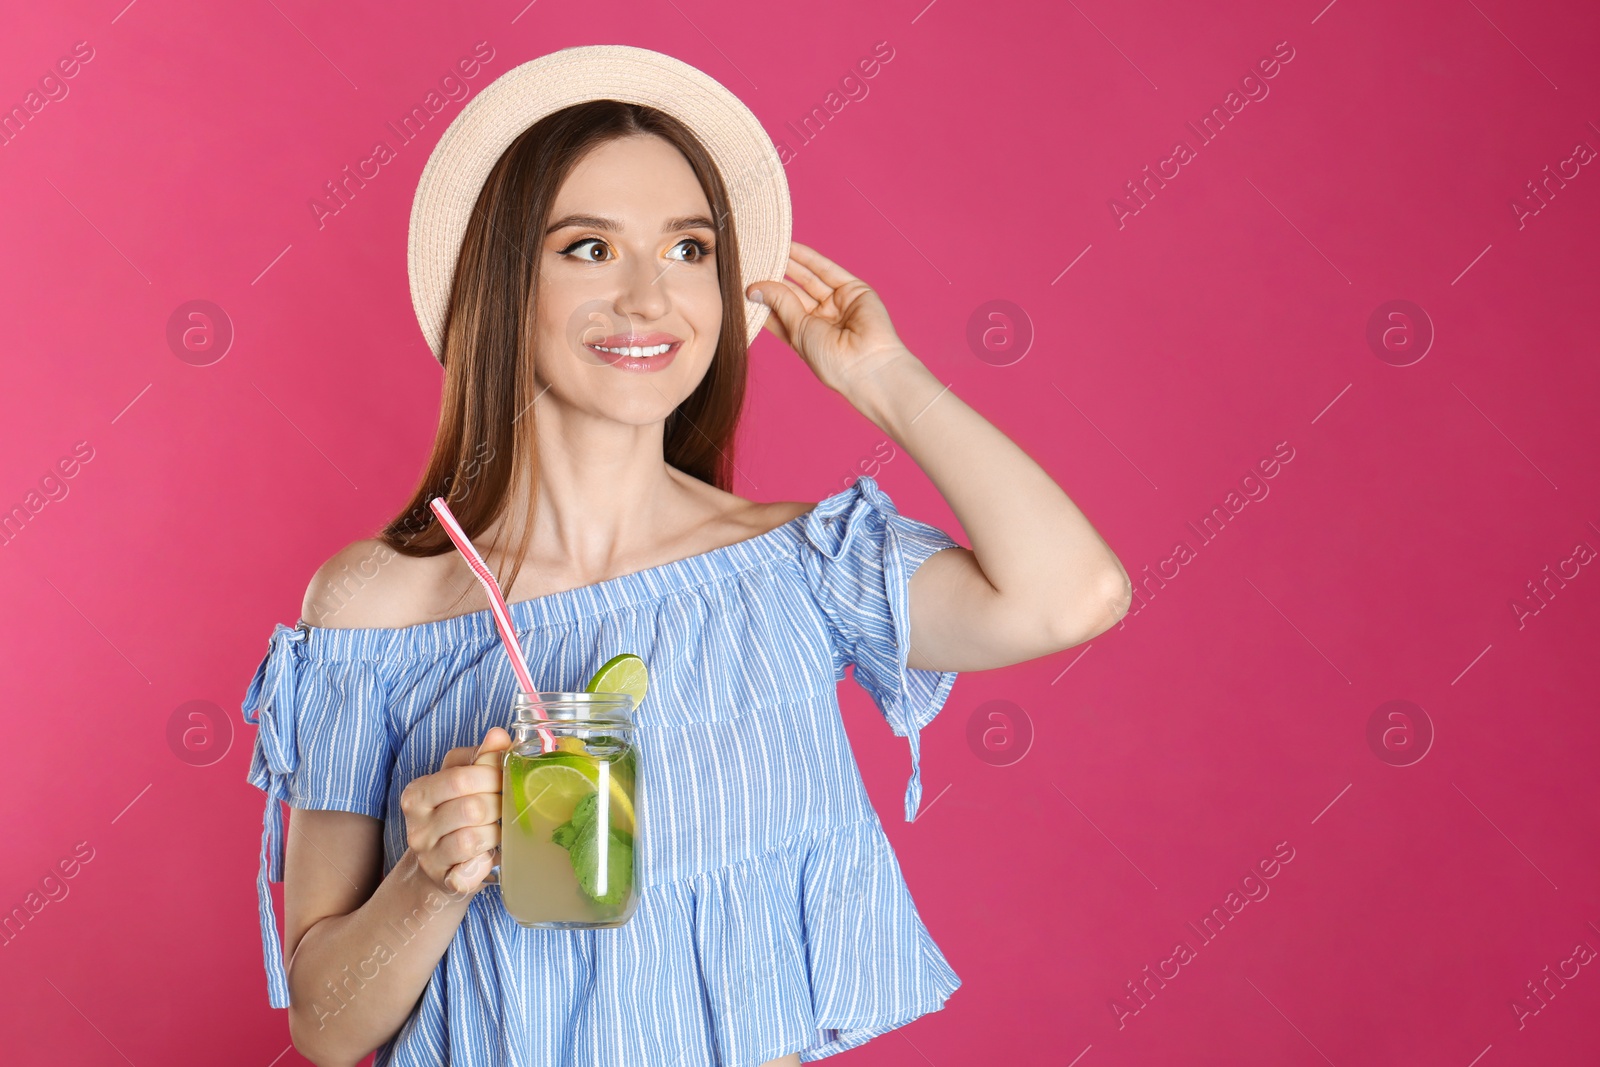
x: 651, y: 352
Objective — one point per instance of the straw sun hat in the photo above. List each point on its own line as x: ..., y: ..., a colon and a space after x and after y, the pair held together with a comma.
x: 758, y: 190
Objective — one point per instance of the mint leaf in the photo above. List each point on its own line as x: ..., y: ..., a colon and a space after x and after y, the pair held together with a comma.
x: 585, y: 854
x: 580, y: 824
x: 581, y: 838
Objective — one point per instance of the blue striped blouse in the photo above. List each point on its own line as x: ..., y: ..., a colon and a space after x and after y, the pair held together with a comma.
x: 773, y: 916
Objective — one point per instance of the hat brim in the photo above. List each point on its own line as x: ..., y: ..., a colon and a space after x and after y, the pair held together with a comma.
x: 758, y: 189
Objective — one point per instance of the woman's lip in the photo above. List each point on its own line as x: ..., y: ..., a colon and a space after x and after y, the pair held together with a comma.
x: 637, y: 363
x: 634, y: 340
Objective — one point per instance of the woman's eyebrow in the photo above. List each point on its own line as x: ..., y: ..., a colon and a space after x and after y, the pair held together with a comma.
x: 600, y: 222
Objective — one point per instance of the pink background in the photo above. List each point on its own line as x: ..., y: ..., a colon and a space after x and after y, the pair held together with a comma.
x: 1228, y: 718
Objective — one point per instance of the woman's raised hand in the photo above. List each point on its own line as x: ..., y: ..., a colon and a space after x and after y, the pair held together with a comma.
x: 830, y: 317
x: 452, y: 815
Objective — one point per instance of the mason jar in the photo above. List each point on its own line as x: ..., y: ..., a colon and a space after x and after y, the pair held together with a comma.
x: 569, y: 828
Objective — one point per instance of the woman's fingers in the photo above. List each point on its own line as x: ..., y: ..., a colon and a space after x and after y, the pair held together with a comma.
x: 785, y: 308
x: 494, y: 741
x: 816, y: 290
x: 460, y: 860
x: 461, y: 845
x: 458, y: 757
x: 419, y: 799
x: 452, y: 815
x: 479, y: 809
x: 774, y: 325
x: 775, y: 299
x: 467, y: 876
x: 820, y: 265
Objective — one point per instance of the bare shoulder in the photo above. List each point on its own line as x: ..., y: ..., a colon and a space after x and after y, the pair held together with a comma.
x: 771, y: 515
x: 720, y: 517
x: 369, y: 584
x: 741, y: 519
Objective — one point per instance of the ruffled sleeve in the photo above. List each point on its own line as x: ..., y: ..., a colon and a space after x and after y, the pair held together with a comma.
x: 865, y: 553
x: 323, y: 742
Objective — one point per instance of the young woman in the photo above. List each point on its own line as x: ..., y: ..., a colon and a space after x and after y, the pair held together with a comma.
x: 774, y: 923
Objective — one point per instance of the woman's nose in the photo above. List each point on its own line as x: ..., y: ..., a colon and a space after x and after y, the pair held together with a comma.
x: 644, y: 290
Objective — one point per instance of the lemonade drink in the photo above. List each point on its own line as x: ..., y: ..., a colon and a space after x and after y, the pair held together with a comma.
x: 567, y: 828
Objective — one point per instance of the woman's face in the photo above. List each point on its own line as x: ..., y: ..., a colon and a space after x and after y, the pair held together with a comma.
x: 629, y: 308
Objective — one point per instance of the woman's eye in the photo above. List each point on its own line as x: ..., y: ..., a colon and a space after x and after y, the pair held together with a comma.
x: 567, y: 251
x: 702, y: 250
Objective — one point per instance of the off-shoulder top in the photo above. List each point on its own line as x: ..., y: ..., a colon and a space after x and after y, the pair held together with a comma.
x: 773, y: 916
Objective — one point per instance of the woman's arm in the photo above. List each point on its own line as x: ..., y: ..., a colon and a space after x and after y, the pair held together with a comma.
x: 1039, y: 578
x: 361, y: 947
x: 353, y: 979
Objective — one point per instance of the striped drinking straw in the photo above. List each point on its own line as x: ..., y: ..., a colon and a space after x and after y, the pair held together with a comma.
x: 497, y: 604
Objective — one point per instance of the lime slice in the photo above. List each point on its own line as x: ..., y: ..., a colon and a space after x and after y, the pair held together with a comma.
x: 555, y: 789
x: 622, y: 674
x: 552, y: 785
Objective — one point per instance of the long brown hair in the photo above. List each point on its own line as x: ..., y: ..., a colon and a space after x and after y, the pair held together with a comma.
x: 481, y: 445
